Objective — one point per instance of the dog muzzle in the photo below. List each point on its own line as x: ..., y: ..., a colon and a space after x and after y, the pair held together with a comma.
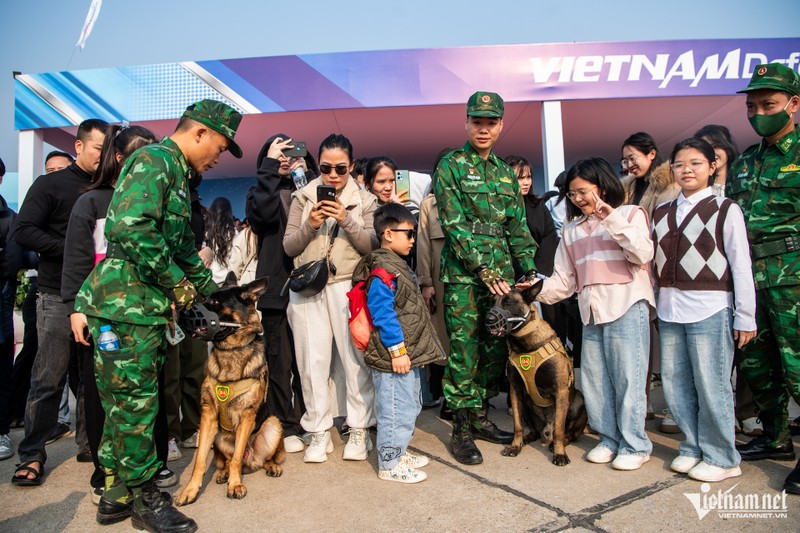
x: 204, y: 324
x: 500, y: 322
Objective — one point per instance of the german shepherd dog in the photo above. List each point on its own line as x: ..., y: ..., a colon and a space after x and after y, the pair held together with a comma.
x: 229, y: 411
x: 558, y: 415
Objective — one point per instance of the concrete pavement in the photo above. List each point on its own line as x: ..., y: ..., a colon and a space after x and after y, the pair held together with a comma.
x: 526, y: 493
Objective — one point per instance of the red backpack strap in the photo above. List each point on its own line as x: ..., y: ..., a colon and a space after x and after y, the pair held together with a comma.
x: 384, y: 276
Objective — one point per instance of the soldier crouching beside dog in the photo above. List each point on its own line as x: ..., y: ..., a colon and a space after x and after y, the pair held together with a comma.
x: 483, y: 219
x: 151, y: 264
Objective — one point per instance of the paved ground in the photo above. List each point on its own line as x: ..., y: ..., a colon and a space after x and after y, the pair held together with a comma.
x: 526, y: 493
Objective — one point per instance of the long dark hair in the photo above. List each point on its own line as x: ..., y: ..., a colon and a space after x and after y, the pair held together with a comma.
x: 123, y: 141
x: 720, y: 137
x: 374, y: 165
x: 519, y: 164
x: 645, y: 143
x: 598, y: 172
x: 702, y: 146
x: 220, y: 229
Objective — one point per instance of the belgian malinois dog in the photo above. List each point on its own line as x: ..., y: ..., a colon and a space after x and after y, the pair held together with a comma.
x: 232, y: 395
x: 540, y: 375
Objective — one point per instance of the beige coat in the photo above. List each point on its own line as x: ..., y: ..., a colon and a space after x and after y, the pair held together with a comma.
x: 662, y: 189
x: 356, y: 236
x: 429, y: 255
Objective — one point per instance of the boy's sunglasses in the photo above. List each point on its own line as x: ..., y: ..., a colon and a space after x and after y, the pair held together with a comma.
x: 340, y: 169
x: 410, y: 233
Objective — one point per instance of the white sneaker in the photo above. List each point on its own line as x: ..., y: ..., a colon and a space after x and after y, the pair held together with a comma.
x: 6, y: 449
x: 321, y: 445
x: 711, y: 474
x: 173, y: 452
x: 668, y: 425
x: 402, y: 473
x: 600, y: 454
x: 293, y: 444
x: 414, y: 461
x: 191, y: 442
x: 358, y: 445
x: 97, y: 493
x: 629, y: 461
x: 683, y: 463
x: 752, y: 426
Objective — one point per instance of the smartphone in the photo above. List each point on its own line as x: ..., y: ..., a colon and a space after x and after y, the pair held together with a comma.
x: 402, y: 185
x: 326, y: 192
x: 298, y: 150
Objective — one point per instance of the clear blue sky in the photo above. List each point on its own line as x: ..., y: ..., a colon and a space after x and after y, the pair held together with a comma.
x: 40, y: 35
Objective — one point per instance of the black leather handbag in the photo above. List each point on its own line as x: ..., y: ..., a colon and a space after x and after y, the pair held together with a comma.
x: 310, y: 278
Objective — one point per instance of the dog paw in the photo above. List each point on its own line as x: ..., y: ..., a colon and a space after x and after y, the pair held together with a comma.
x: 237, y: 492
x: 511, y: 451
x: 560, y: 460
x: 274, y: 471
x: 221, y: 477
x: 186, y: 497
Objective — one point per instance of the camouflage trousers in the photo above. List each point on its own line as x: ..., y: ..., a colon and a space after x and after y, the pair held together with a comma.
x: 477, y: 359
x: 127, y: 382
x: 770, y: 363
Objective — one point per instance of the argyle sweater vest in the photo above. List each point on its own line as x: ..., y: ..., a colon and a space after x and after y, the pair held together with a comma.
x: 691, y: 256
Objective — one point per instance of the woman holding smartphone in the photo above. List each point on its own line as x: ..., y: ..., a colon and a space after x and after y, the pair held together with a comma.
x: 319, y: 322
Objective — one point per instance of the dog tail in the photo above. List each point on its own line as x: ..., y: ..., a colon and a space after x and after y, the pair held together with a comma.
x: 267, y: 443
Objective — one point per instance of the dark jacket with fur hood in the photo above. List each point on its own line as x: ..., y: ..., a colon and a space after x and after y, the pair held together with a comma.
x: 662, y: 189
x: 422, y: 344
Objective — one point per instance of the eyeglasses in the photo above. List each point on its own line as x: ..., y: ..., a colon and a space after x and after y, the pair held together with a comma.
x: 340, y: 169
x: 628, y: 161
x: 583, y: 193
x: 695, y: 165
x: 410, y: 233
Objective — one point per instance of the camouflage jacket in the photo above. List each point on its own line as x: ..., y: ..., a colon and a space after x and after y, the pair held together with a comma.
x: 148, y: 225
x: 765, y: 182
x: 482, y: 215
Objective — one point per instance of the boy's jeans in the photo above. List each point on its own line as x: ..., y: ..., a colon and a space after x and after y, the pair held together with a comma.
x: 696, y: 361
x: 613, y: 370
x: 397, y: 405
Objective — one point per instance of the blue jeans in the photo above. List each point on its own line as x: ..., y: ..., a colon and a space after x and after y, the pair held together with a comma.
x: 613, y: 371
x: 397, y: 405
x: 696, y: 361
x: 48, y: 375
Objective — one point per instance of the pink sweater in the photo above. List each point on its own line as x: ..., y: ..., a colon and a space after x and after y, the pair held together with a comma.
x: 606, y: 266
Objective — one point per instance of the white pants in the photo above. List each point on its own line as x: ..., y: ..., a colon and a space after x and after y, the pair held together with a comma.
x: 318, y: 322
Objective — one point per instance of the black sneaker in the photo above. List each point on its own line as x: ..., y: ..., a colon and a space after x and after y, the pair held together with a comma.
x: 84, y: 456
x: 165, y: 478
x: 59, y: 431
x: 153, y: 513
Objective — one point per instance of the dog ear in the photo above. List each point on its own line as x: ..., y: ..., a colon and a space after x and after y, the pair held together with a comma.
x: 230, y: 280
x: 255, y: 288
x: 529, y: 294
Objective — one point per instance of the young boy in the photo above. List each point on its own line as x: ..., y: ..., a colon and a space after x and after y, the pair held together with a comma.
x: 403, y: 340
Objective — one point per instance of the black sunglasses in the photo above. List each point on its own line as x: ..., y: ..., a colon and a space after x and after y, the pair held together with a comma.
x: 340, y: 169
x: 410, y: 233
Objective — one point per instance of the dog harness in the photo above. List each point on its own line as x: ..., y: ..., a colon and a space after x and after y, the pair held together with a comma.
x: 528, y: 363
x: 224, y: 392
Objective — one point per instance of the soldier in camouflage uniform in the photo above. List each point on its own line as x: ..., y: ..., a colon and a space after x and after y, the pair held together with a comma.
x: 766, y: 184
x: 151, y: 264
x: 483, y: 219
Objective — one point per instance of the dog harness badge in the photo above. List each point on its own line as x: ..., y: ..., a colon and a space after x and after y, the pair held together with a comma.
x: 223, y: 393
x: 525, y: 361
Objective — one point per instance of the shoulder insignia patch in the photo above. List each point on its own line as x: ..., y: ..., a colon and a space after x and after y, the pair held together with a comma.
x: 790, y: 168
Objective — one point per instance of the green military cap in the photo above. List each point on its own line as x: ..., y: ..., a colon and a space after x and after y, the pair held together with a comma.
x: 775, y: 76
x: 485, y: 104
x: 218, y: 116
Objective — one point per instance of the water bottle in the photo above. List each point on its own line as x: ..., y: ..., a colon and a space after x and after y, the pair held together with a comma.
x: 108, y: 340
x: 299, y: 178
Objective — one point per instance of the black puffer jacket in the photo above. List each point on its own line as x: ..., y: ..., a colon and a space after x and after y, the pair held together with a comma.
x: 422, y: 344
x: 267, y: 215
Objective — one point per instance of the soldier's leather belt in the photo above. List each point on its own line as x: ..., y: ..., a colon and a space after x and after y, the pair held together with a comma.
x: 482, y: 228
x: 114, y: 251
x: 781, y: 246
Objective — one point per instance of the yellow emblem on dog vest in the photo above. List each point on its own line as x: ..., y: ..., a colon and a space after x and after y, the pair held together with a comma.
x: 525, y: 361
x: 223, y: 393
x: 528, y: 363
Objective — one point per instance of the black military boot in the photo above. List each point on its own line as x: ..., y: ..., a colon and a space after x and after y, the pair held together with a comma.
x: 762, y: 447
x: 115, y: 503
x: 461, y: 444
x: 485, y: 429
x: 792, y: 483
x: 153, y: 513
